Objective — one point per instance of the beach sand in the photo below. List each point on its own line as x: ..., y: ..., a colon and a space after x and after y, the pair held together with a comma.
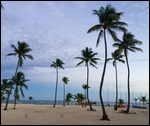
x: 30, y: 114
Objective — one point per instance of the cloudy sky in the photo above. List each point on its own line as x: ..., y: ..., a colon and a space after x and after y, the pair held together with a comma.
x: 58, y: 29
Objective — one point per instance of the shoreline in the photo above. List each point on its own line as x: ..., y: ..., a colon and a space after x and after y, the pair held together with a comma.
x: 31, y: 114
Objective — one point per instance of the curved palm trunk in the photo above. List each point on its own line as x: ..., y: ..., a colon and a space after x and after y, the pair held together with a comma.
x: 11, y: 87
x: 105, y: 117
x: 56, y: 87
x: 88, y: 86
x: 64, y: 96
x: 115, y: 108
x: 128, y: 82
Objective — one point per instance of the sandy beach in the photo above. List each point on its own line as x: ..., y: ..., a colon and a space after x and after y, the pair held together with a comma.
x: 30, y: 114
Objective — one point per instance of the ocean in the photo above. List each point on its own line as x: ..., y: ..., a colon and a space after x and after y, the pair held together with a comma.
x: 60, y: 102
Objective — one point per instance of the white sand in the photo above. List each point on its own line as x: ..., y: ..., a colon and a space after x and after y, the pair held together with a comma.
x: 26, y: 114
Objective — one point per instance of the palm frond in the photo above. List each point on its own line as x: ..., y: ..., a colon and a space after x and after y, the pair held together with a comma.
x: 93, y: 65
x: 101, y: 33
x: 11, y: 54
x: 112, y: 33
x: 29, y: 56
x: 95, y: 28
x: 80, y: 63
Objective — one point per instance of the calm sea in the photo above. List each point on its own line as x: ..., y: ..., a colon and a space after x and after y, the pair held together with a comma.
x: 60, y: 102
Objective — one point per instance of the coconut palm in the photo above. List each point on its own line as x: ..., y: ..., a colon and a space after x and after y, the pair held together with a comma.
x: 143, y: 99
x: 85, y: 87
x: 5, y: 85
x: 20, y: 83
x: 116, y: 56
x: 22, y: 53
x: 30, y: 98
x: 120, y: 102
x: 57, y: 64
x: 135, y: 99
x: 79, y: 97
x: 88, y: 57
x: 68, y: 98
x: 127, y: 44
x: 109, y: 20
x: 65, y: 80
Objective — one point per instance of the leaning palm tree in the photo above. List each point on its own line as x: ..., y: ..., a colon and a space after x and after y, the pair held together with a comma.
x: 116, y: 56
x: 5, y: 85
x: 57, y: 64
x: 20, y: 83
x: 109, y: 20
x: 128, y: 43
x: 65, y: 80
x: 85, y: 87
x: 22, y: 53
x: 88, y: 56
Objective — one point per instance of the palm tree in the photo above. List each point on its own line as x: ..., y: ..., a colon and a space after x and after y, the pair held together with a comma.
x: 88, y: 56
x: 65, y: 80
x: 30, y: 98
x: 85, y: 87
x: 57, y: 64
x: 109, y: 19
x: 68, y: 98
x: 143, y: 99
x: 120, y: 102
x: 116, y: 56
x: 135, y: 99
x: 128, y: 43
x: 20, y: 83
x: 5, y: 85
x: 22, y: 53
x: 79, y: 97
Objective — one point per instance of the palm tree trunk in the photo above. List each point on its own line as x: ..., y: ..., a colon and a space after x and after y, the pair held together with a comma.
x: 14, y: 104
x: 64, y: 96
x: 128, y: 106
x: 115, y: 108
x: 88, y: 86
x: 105, y: 117
x: 11, y: 87
x: 56, y: 86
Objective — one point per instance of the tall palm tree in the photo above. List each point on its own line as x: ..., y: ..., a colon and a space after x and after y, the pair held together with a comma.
x: 85, y: 87
x: 20, y: 83
x: 109, y: 20
x: 116, y: 56
x: 127, y: 44
x: 88, y: 56
x: 57, y: 64
x: 65, y: 80
x: 22, y: 53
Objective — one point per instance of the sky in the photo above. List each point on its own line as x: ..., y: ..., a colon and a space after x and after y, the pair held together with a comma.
x: 58, y: 29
